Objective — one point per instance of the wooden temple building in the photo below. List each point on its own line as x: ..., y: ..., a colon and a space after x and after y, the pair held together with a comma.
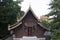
x: 28, y: 26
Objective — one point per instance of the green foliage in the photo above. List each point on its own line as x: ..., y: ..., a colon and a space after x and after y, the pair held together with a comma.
x: 45, y: 23
x: 55, y: 6
x: 9, y: 12
x: 56, y: 31
x: 20, y: 14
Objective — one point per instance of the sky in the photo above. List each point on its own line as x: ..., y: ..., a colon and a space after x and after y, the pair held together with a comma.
x: 39, y: 7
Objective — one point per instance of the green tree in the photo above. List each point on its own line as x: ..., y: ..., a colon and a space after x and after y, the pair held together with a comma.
x: 9, y: 12
x: 55, y: 26
x: 45, y: 23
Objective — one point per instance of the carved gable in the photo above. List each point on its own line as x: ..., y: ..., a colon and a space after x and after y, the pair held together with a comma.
x: 28, y: 26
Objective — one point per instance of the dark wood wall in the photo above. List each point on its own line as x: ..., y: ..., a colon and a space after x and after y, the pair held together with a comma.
x: 36, y: 31
x: 29, y: 27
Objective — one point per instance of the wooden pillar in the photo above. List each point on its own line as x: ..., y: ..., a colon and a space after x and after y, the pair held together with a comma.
x: 0, y: 39
x: 12, y: 33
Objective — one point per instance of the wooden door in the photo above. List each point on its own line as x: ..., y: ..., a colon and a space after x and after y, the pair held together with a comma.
x: 29, y: 31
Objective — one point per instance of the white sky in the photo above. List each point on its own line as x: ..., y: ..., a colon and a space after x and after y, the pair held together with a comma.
x: 40, y: 7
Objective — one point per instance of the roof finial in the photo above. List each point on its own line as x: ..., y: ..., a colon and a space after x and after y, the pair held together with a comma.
x: 29, y: 6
